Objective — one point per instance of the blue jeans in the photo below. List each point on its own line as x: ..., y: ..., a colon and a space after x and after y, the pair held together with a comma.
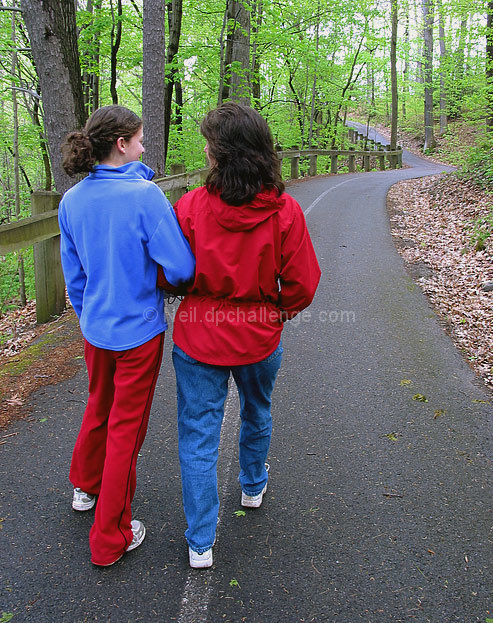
x: 202, y: 391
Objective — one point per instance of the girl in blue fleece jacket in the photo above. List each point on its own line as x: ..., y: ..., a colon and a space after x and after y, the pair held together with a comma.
x: 116, y: 228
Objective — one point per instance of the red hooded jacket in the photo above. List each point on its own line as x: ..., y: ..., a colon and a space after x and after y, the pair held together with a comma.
x: 255, y: 268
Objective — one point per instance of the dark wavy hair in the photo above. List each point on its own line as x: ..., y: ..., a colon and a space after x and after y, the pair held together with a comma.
x: 82, y: 149
x: 241, y: 153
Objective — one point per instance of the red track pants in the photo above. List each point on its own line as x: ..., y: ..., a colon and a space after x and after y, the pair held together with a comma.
x: 114, y: 426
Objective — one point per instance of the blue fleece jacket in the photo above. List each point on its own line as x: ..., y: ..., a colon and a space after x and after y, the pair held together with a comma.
x: 116, y: 227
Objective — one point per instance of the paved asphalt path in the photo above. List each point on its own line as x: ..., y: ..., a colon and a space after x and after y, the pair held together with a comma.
x: 378, y: 505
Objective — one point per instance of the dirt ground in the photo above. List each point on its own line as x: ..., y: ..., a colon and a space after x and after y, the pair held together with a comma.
x: 35, y: 356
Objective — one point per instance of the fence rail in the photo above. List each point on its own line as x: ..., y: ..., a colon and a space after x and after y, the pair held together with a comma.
x: 42, y: 232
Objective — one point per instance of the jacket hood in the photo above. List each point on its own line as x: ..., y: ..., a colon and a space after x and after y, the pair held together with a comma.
x: 248, y: 216
x: 130, y: 170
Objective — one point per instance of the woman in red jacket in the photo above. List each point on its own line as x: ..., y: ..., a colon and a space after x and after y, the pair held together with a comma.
x: 255, y: 268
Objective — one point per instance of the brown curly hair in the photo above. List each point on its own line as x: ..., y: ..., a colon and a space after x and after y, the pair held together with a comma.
x: 242, y: 155
x: 82, y: 149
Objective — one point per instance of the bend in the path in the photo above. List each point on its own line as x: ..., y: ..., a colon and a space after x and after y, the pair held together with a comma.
x: 408, y: 158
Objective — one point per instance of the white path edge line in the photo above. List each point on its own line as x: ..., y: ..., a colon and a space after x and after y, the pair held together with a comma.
x: 197, y: 592
x: 320, y: 197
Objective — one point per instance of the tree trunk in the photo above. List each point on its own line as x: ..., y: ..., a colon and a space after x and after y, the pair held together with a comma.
x: 136, y: 8
x: 428, y: 74
x: 420, y: 52
x: 224, y: 62
x: 34, y: 111
x: 116, y: 37
x: 179, y: 105
x: 258, y: 9
x: 304, y: 107
x: 175, y: 11
x: 53, y: 36
x: 237, y: 54
x: 405, y: 71
x: 347, y: 86
x: 456, y: 84
x: 489, y: 67
x: 153, y: 68
x: 393, y: 76
x: 42, y: 145
x: 17, y: 195
x: 386, y: 81
x: 90, y: 78
x: 443, y: 62
x: 299, y: 107
x: 314, y: 83
x: 370, y: 89
x: 15, y: 115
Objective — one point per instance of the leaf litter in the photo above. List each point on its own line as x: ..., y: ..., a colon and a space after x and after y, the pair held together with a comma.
x: 431, y: 220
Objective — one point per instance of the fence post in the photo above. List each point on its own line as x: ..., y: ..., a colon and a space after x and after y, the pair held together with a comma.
x: 381, y: 157
x: 48, y: 274
x: 352, y: 165
x: 312, y: 171
x: 366, y: 162
x: 399, y: 157
x: 389, y: 157
x: 295, y: 161
x: 351, y: 134
x: 333, y: 163
x: 175, y: 194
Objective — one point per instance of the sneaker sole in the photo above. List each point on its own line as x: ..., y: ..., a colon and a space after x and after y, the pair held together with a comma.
x: 251, y: 501
x: 84, y: 507
x: 129, y: 549
x: 135, y: 545
x: 206, y: 564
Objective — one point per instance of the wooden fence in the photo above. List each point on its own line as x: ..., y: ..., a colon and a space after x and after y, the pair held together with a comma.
x: 42, y: 232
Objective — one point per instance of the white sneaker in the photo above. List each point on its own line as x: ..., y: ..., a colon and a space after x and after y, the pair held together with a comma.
x: 254, y: 501
x: 82, y: 501
x: 139, y: 534
x: 200, y: 561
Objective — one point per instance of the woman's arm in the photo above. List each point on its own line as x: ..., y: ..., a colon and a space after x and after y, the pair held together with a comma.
x: 300, y: 272
x: 73, y: 271
x: 169, y: 248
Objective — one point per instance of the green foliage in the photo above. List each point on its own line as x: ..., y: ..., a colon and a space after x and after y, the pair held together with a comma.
x: 392, y: 436
x: 481, y: 230
x: 318, y: 62
x: 479, y: 165
x: 9, y: 279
